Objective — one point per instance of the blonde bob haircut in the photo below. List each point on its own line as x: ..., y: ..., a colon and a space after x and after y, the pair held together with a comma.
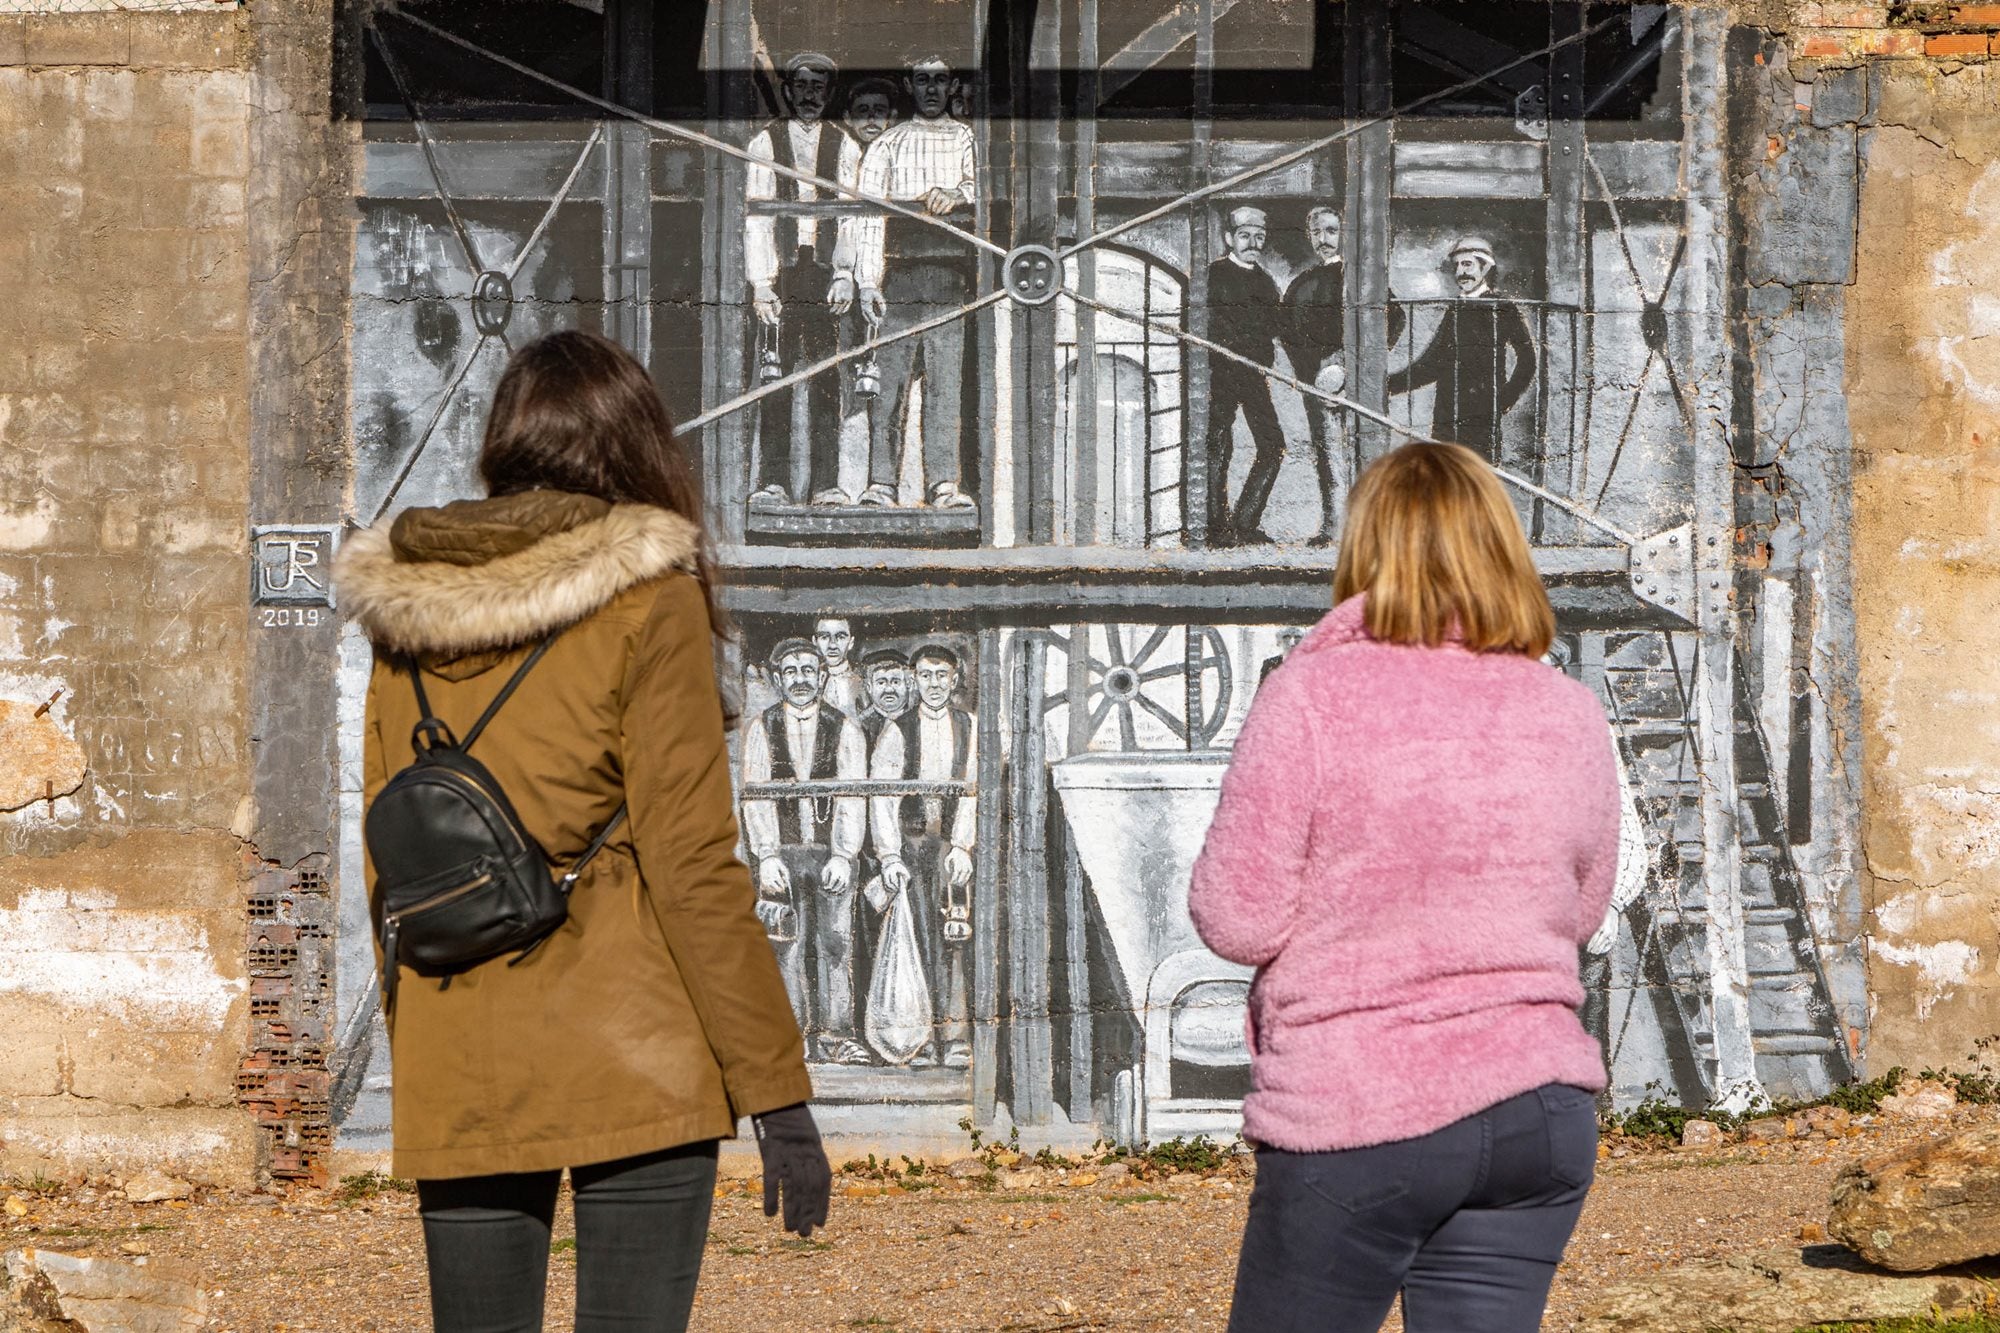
x: 1433, y: 540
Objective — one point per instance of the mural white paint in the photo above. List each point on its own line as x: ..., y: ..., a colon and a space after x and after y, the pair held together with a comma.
x: 1007, y: 585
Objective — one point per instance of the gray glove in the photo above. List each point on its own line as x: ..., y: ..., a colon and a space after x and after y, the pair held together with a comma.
x: 794, y: 1158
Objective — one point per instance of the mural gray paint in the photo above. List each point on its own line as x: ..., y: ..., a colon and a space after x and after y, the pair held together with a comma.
x: 1025, y: 406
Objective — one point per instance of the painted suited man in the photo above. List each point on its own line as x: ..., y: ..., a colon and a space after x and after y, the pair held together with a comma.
x: 797, y: 282
x: 1243, y: 316
x: 1482, y: 357
x: 804, y: 849
x: 925, y: 843
x: 1315, y: 334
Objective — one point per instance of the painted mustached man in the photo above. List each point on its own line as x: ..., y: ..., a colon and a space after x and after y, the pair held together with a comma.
x: 925, y: 843
x: 804, y: 849
x: 1315, y: 315
x: 1243, y: 316
x: 908, y: 272
x: 798, y: 285
x: 1482, y: 357
x: 891, y: 691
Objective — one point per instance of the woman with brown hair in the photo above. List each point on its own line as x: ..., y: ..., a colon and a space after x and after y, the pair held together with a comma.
x: 624, y: 1045
x: 1418, y: 828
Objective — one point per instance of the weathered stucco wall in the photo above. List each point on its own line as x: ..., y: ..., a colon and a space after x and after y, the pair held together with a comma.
x: 157, y: 328
x: 124, y: 409
x: 1923, y: 386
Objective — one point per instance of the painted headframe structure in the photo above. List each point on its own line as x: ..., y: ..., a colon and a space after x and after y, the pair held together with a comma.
x: 1028, y: 352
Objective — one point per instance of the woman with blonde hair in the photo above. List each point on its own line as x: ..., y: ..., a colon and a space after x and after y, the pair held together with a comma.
x: 1418, y: 828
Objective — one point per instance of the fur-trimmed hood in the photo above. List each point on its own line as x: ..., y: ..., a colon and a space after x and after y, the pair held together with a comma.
x: 481, y: 575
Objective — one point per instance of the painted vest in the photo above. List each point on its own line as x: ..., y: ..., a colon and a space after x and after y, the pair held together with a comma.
x: 912, y: 811
x: 825, y: 764
x: 825, y: 165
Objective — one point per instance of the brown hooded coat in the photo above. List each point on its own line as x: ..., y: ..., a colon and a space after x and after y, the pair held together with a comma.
x: 655, y: 1016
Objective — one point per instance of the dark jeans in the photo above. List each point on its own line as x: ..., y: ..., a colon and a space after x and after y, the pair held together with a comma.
x: 641, y: 1224
x: 1468, y: 1223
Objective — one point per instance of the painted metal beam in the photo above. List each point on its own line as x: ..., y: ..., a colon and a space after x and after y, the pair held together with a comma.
x: 1165, y: 35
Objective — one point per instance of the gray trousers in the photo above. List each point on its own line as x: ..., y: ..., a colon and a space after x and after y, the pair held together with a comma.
x: 916, y: 290
x: 818, y: 962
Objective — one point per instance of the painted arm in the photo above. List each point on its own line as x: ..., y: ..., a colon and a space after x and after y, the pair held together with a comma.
x: 1429, y: 366
x: 868, y: 230
x: 968, y: 165
x: 1245, y: 888
x: 965, y: 822
x: 850, y: 813
x: 840, y: 294
x: 760, y: 237
x: 760, y: 817
x: 885, y: 813
x: 1514, y: 335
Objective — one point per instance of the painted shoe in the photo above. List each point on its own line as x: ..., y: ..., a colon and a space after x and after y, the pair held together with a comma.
x: 957, y: 1055
x: 946, y: 495
x: 770, y: 495
x: 878, y: 496
x: 832, y: 495
x: 848, y: 1051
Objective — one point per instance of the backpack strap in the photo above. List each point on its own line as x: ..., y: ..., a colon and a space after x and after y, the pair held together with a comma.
x: 432, y: 730
x: 568, y: 881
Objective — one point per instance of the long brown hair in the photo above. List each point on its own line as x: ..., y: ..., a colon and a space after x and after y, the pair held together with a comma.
x: 1433, y: 540
x: 576, y: 412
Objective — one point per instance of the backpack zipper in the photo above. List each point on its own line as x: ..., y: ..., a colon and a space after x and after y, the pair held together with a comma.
x: 440, y: 899
x: 496, y: 801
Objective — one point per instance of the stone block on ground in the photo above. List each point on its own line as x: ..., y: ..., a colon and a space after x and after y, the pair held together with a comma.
x: 44, y: 1291
x: 1782, y: 1290
x: 1702, y: 1134
x: 1927, y: 1206
x: 1924, y: 1099
x: 156, y: 1187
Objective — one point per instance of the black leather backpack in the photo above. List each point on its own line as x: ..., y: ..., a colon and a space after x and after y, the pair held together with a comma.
x: 458, y: 880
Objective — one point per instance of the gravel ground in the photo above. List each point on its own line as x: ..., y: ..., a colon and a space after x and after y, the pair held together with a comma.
x: 1042, y: 1251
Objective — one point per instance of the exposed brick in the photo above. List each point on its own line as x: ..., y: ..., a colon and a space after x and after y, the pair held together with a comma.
x: 1975, y: 14
x: 1994, y: 43
x: 1956, y: 44
x: 1893, y: 43
x: 79, y: 39
x: 1820, y: 47
x: 187, y: 41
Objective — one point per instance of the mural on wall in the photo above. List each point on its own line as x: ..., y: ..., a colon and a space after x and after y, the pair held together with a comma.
x: 1029, y: 353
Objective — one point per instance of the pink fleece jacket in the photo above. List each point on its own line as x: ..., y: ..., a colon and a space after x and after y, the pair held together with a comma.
x: 1410, y: 847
